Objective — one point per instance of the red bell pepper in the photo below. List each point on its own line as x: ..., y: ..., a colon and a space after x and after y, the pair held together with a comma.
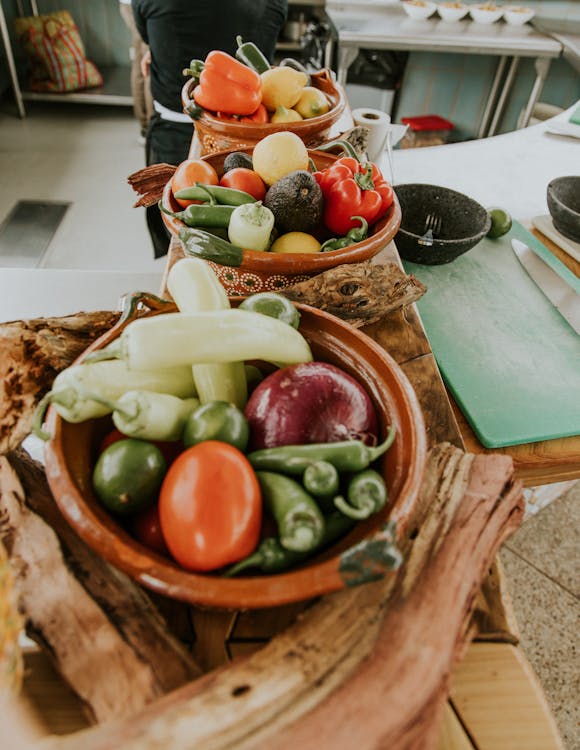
x: 259, y: 117
x: 228, y: 86
x: 353, y: 189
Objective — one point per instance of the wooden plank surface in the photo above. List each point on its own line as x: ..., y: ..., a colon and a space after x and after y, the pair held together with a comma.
x: 497, y: 696
x: 453, y: 734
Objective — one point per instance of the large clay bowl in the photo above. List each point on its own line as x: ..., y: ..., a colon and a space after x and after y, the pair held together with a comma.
x: 70, y: 455
x: 219, y: 135
x: 263, y: 271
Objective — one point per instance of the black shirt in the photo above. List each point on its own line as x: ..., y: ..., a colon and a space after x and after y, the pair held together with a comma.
x: 178, y: 31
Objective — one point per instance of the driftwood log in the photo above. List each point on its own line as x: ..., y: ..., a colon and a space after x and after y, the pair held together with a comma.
x: 367, y: 667
x: 104, y: 635
x: 360, y: 293
x: 33, y: 353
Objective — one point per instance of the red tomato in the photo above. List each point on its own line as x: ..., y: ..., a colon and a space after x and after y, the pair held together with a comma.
x: 244, y: 179
x: 210, y: 506
x: 146, y: 528
x: 188, y: 173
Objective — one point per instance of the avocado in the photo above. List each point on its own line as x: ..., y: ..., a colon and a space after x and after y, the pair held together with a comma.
x: 237, y: 159
x: 296, y: 202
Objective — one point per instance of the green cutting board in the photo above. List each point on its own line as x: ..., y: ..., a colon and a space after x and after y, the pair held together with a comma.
x: 508, y: 357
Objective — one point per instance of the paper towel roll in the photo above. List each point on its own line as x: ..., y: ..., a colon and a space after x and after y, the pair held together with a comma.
x: 378, y: 123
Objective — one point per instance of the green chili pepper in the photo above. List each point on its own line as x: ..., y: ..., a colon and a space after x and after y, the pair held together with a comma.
x: 201, y: 214
x: 345, y: 455
x: 357, y: 234
x: 354, y: 235
x: 299, y: 519
x: 321, y: 479
x: 250, y: 55
x: 200, y: 244
x: 272, y: 557
x: 366, y: 493
x: 223, y: 195
x: 273, y: 304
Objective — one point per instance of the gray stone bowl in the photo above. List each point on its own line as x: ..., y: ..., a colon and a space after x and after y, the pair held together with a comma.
x: 464, y: 222
x: 563, y: 194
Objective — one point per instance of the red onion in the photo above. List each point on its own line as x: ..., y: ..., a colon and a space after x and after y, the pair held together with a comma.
x: 313, y: 402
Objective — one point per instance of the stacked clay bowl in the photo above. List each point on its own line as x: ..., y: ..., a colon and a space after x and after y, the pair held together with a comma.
x: 220, y: 135
x: 70, y: 455
x: 264, y: 271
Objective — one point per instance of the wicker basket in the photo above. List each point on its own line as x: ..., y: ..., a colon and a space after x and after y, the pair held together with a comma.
x: 218, y: 135
x: 263, y: 271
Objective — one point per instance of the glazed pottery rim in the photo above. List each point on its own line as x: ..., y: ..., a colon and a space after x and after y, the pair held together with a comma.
x: 241, y: 128
x: 297, y: 263
x: 443, y: 242
x: 322, y: 575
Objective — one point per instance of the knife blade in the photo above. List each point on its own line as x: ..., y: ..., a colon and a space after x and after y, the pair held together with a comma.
x: 555, y: 288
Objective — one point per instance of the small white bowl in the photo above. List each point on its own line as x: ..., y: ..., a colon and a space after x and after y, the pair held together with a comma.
x: 481, y: 14
x: 452, y: 12
x: 413, y: 9
x: 518, y: 15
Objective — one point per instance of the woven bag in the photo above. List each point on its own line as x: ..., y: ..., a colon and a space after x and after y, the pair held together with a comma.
x: 56, y: 52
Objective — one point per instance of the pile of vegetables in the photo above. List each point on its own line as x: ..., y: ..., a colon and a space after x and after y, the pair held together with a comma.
x: 247, y: 89
x: 198, y: 470
x: 277, y: 201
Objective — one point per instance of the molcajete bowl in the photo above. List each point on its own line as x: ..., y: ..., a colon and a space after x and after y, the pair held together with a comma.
x: 71, y: 453
x: 264, y: 271
x: 215, y: 134
x: 563, y: 195
x: 462, y: 223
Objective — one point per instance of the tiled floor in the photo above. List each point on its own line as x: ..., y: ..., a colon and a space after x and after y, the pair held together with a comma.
x: 83, y: 154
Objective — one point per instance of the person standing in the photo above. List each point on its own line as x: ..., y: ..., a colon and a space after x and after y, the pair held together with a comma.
x: 140, y: 91
x: 176, y: 32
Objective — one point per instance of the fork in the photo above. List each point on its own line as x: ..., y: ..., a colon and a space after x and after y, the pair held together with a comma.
x: 432, y: 226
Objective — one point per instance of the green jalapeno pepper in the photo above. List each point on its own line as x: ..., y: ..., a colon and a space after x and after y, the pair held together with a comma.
x: 201, y: 214
x: 252, y: 56
x: 366, y: 494
x: 345, y: 455
x: 299, y: 519
x: 272, y: 557
x: 321, y: 479
x: 354, y: 235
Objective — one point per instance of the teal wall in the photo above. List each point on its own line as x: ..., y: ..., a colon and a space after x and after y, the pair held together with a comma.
x: 456, y: 86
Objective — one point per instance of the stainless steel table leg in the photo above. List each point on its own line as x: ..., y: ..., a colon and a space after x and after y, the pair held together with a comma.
x: 542, y: 66
x: 503, y: 96
x: 345, y: 57
x: 11, y: 64
x: 491, y: 97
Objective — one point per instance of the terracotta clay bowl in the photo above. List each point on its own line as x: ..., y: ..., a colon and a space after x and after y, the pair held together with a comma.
x: 219, y: 135
x: 70, y: 456
x: 263, y: 271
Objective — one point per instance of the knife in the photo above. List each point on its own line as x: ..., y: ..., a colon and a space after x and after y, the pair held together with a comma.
x: 564, y: 298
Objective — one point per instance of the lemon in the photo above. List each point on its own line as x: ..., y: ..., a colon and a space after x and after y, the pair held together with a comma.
x: 295, y: 242
x: 312, y: 103
x: 283, y: 114
x: 501, y: 222
x: 282, y: 87
x: 278, y: 154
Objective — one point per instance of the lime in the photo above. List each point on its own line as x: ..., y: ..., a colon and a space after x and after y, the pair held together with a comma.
x: 501, y: 222
x: 217, y: 420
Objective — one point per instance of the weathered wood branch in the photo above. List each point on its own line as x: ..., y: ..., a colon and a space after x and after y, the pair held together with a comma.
x: 360, y: 293
x: 33, y: 352
x: 366, y: 667
x: 105, y: 637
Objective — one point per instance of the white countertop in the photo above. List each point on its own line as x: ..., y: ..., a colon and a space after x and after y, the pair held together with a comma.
x: 511, y: 170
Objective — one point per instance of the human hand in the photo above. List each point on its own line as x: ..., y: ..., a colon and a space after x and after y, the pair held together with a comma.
x: 146, y: 64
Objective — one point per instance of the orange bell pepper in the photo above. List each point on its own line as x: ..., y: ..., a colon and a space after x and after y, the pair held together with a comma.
x: 228, y: 86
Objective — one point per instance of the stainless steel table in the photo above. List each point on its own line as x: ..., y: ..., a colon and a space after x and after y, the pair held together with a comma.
x: 386, y: 26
